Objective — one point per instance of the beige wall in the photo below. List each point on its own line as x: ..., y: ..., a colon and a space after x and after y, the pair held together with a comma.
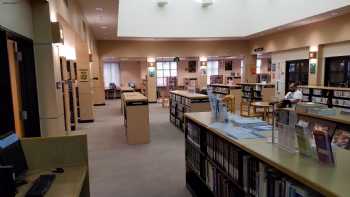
x: 171, y: 48
x: 17, y: 17
x: 130, y: 71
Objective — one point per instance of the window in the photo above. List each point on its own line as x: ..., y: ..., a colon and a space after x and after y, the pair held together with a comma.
x: 212, y: 69
x: 258, y: 66
x: 111, y: 74
x: 164, y: 70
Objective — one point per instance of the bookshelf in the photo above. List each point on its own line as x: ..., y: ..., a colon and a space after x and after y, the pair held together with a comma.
x: 331, y: 96
x: 222, y: 90
x: 254, y: 92
x: 184, y: 101
x: 220, y: 166
x: 216, y: 79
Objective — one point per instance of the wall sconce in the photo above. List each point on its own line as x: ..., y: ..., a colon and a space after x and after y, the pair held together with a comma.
x: 151, y: 59
x: 203, y: 59
x: 312, y: 55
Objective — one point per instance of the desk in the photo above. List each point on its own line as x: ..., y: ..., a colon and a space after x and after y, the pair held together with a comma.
x: 136, y: 117
x: 67, y: 152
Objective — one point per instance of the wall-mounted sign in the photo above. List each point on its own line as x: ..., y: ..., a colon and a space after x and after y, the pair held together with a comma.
x: 84, y: 75
x: 260, y: 49
x: 313, y: 68
x: 312, y: 55
x: 152, y: 71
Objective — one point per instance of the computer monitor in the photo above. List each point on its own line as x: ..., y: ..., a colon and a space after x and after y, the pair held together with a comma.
x: 11, y: 154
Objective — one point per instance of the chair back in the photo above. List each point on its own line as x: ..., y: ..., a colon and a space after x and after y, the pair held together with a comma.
x: 230, y: 102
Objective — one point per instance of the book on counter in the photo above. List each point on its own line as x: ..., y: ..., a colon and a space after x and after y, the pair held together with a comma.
x: 303, y: 134
x: 342, y: 139
x: 323, y: 143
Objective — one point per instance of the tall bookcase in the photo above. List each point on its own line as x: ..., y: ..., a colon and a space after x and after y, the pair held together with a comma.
x: 220, y: 166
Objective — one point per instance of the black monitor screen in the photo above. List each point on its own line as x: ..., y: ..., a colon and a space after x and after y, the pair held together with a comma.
x: 11, y: 154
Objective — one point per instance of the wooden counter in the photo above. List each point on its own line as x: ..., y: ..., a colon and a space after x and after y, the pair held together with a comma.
x: 67, y: 152
x: 327, y: 180
x: 184, y: 101
x: 136, y: 117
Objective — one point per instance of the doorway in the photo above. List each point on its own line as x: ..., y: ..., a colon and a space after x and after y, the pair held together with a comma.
x: 337, y: 72
x: 297, y: 71
x: 19, y: 104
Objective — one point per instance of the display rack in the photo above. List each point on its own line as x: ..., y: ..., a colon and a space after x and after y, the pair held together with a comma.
x: 184, y: 101
x: 331, y: 96
x: 220, y: 166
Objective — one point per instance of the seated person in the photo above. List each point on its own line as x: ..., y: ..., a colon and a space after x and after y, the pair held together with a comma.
x: 294, y: 95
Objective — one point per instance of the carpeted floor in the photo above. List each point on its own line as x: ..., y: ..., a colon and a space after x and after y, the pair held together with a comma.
x: 120, y: 170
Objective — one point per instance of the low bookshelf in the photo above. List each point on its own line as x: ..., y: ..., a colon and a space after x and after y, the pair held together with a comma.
x: 220, y: 166
x: 183, y: 101
x: 332, y: 96
x: 222, y: 90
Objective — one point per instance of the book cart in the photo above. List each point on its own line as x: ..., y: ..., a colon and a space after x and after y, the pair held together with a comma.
x: 218, y: 165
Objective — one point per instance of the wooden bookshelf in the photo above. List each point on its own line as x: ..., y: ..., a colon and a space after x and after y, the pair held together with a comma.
x: 136, y: 117
x: 332, y: 96
x: 305, y: 173
x: 183, y: 101
x: 222, y: 90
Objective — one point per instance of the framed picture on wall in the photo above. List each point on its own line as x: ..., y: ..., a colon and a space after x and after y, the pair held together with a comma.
x: 228, y: 65
x: 273, y: 67
x: 313, y: 68
x: 192, y: 66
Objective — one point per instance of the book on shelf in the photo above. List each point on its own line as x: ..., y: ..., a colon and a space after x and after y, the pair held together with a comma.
x: 304, y: 138
x: 323, y: 143
x: 341, y: 139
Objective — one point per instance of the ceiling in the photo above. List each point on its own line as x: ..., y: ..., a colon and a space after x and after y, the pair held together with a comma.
x: 188, y: 20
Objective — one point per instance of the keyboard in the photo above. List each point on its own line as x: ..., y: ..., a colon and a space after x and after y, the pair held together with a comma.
x: 41, y: 185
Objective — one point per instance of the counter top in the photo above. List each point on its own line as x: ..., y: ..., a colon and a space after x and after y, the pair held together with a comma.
x: 261, y: 84
x: 227, y: 86
x: 338, y: 118
x: 330, y: 181
x: 189, y: 94
x: 133, y: 97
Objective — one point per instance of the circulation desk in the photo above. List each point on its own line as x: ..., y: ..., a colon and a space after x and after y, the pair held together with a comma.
x: 136, y: 117
x: 307, y: 173
x: 184, y: 101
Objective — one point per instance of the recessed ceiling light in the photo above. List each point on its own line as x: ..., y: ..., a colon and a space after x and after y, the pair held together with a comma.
x: 104, y: 27
x: 99, y: 9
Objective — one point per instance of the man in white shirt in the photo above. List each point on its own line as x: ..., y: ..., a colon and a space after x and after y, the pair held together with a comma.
x: 294, y: 95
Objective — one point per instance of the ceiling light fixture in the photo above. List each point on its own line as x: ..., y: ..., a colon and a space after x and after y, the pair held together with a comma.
x: 207, y: 3
x: 104, y: 27
x: 162, y: 3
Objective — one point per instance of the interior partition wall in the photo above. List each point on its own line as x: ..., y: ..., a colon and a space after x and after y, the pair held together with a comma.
x: 337, y: 71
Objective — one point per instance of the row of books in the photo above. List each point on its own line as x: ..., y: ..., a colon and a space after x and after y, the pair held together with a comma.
x: 344, y: 94
x: 262, y: 181
x: 219, y: 184
x: 221, y: 90
x: 251, y: 87
x: 227, y: 156
x: 193, y: 134
x: 341, y: 102
x: 306, y: 90
x: 193, y: 158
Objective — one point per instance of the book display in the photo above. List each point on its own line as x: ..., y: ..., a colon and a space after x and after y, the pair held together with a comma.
x: 184, y: 101
x: 331, y: 96
x: 221, y: 91
x: 221, y: 166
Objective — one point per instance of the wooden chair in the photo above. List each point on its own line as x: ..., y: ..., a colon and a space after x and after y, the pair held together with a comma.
x: 230, y: 102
